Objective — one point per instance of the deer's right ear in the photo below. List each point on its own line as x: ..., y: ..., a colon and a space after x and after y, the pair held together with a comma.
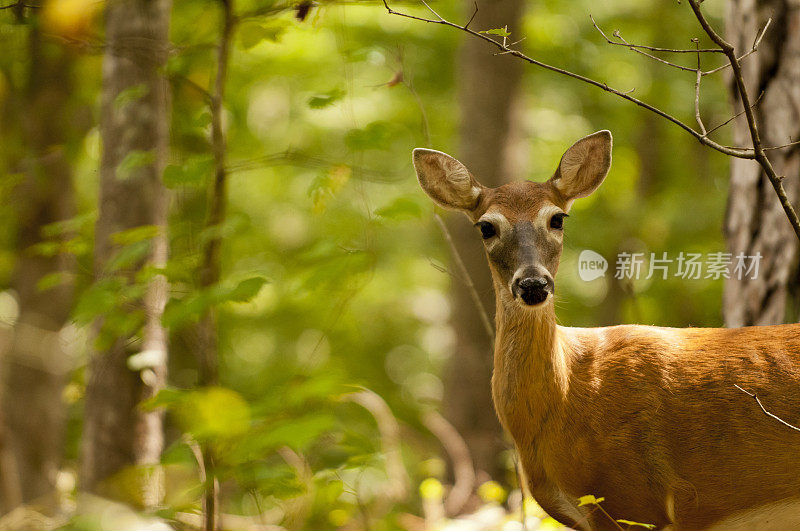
x: 447, y: 181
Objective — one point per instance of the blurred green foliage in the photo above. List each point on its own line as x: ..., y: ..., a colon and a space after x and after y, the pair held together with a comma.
x: 334, y: 274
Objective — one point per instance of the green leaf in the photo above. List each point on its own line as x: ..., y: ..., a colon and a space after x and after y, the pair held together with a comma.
x: 130, y: 94
x: 193, y: 173
x: 214, y: 412
x: 128, y: 256
x: 183, y: 311
x: 298, y: 433
x: 167, y: 397
x: 400, y: 208
x: 133, y: 160
x: 320, y: 101
x: 135, y: 235
x: 589, y: 500
x: 253, y: 33
x: 246, y: 289
x: 376, y: 135
x: 98, y: 299
x: 46, y: 249
x: 53, y: 280
x: 74, y: 224
x: 503, y: 32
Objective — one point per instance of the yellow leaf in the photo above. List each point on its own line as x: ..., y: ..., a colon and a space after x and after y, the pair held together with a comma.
x: 639, y: 524
x: 431, y: 489
x: 492, y: 491
x: 70, y: 18
x: 589, y: 500
x: 338, y: 517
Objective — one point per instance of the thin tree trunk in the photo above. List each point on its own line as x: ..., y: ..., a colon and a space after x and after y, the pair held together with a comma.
x: 756, y: 223
x: 488, y: 86
x: 117, y: 433
x: 35, y: 370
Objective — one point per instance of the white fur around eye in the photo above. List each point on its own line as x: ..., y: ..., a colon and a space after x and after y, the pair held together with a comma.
x: 545, y: 214
x: 501, y: 226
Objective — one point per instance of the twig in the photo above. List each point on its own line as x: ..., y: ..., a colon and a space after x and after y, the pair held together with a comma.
x: 637, y: 48
x: 208, y: 479
x: 767, y: 413
x: 457, y: 449
x: 487, y: 324
x: 790, y: 144
x: 297, y: 509
x: 697, y: 91
x: 522, y: 488
x: 752, y: 50
x: 616, y: 524
x: 475, y: 12
x: 735, y: 116
x: 651, y: 48
x: 19, y: 4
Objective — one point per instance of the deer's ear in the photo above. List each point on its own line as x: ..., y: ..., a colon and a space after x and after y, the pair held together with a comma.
x: 584, y: 166
x: 447, y: 181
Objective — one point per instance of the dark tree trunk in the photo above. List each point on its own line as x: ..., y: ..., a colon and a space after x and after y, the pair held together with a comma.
x: 117, y: 433
x: 488, y: 87
x: 755, y: 222
x: 35, y: 370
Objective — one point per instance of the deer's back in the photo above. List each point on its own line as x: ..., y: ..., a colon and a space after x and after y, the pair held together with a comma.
x: 653, y: 421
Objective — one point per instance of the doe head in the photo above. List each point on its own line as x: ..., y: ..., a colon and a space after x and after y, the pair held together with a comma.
x: 521, y: 223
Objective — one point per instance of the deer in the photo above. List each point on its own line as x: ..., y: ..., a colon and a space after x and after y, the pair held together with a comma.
x: 654, y: 420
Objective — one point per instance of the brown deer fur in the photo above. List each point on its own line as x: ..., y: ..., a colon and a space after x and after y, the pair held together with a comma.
x: 648, y: 418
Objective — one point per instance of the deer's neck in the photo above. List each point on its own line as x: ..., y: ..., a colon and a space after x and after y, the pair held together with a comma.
x: 531, y: 368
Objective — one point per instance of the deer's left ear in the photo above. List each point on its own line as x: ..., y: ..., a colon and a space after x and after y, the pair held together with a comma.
x: 584, y: 166
x: 446, y: 180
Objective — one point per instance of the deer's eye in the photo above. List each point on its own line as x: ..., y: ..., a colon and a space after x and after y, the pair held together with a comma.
x: 487, y: 229
x: 557, y: 221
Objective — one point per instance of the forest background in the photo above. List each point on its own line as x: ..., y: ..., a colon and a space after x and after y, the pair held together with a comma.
x: 224, y: 300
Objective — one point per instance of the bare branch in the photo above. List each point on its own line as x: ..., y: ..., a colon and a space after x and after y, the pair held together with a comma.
x: 752, y: 50
x: 767, y: 413
x: 790, y: 144
x: 651, y: 48
x: 757, y: 152
x: 457, y: 449
x: 472, y: 17
x: 743, y: 153
x: 699, y: 76
x: 389, y: 430
x: 758, y: 149
x: 636, y: 48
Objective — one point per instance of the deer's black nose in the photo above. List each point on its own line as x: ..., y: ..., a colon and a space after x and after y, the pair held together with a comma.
x: 532, y: 290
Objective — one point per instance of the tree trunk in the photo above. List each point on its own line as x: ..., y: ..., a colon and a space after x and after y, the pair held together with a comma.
x: 488, y: 87
x: 755, y: 222
x: 117, y: 433
x: 35, y: 370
